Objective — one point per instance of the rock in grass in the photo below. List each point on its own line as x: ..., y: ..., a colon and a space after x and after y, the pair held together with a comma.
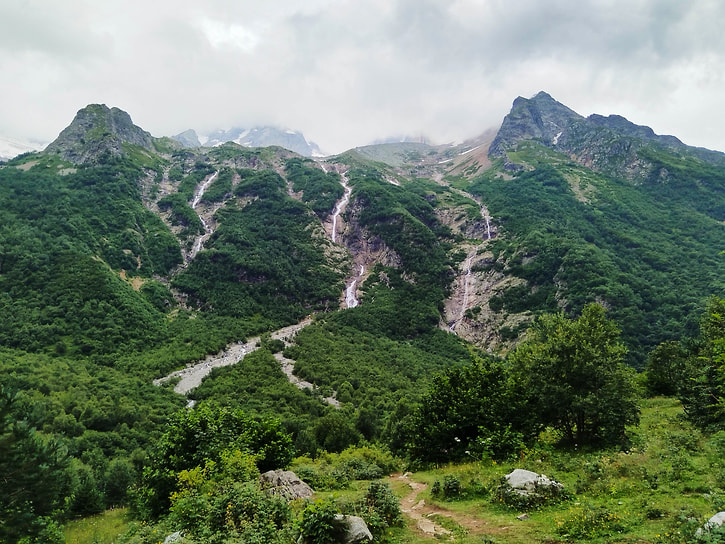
x: 526, y: 482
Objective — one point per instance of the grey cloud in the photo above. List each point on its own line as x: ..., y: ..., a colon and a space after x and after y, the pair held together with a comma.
x: 56, y: 29
x: 346, y: 72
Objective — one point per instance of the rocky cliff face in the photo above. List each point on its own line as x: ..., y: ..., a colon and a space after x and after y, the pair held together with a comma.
x: 188, y: 138
x: 540, y: 118
x: 610, y: 144
x: 98, y: 131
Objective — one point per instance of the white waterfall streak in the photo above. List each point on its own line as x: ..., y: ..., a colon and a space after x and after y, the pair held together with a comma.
x: 199, y: 242
x: 340, y: 207
x: 350, y: 299
x: 484, y: 212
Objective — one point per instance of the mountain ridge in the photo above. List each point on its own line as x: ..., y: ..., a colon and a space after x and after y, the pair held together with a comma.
x: 539, y: 134
x: 125, y: 258
x: 608, y: 144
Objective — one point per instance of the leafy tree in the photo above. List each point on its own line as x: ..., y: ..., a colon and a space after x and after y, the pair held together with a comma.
x: 666, y: 368
x: 87, y: 498
x: 194, y: 437
x: 574, y: 377
x: 221, y: 501
x: 336, y: 431
x: 470, y: 410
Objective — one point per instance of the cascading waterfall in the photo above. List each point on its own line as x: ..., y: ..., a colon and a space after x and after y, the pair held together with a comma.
x: 208, y: 231
x: 350, y: 299
x: 340, y: 207
x: 484, y: 212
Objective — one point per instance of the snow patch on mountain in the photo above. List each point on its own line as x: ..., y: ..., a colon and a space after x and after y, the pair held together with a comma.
x: 262, y: 136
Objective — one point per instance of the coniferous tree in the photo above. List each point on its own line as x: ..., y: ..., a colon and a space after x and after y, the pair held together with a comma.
x: 33, y: 476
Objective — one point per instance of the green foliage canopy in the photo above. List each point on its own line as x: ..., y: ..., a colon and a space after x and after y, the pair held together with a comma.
x: 204, y: 434
x: 469, y: 412
x: 573, y: 375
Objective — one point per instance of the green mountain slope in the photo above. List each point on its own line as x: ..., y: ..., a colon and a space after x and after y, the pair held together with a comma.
x: 639, y: 231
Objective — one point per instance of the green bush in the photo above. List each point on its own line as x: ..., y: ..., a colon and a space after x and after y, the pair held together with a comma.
x: 449, y: 489
x: 380, y: 509
x: 320, y: 523
x: 336, y: 470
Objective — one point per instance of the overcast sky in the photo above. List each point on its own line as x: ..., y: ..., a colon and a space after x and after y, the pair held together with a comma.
x: 347, y: 72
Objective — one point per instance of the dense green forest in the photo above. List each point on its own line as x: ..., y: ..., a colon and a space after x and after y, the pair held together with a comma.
x: 101, y: 293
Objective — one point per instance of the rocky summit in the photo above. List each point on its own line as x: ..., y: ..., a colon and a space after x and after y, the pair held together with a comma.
x: 98, y: 132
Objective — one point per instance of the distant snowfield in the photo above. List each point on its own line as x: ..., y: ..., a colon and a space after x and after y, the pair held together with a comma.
x: 10, y: 147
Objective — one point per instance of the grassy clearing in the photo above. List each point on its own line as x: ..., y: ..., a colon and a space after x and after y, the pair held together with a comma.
x: 668, y: 481
x: 101, y: 529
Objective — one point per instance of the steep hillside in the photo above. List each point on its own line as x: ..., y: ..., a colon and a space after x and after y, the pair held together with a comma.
x: 98, y: 133
x: 127, y: 258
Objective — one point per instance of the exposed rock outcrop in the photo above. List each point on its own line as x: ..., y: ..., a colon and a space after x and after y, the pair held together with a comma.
x: 188, y: 138
x: 286, y: 484
x: 539, y: 118
x: 610, y: 144
x: 96, y: 133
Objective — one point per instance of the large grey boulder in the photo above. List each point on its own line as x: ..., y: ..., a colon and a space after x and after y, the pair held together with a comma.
x: 285, y: 483
x: 357, y: 530
x: 526, y: 482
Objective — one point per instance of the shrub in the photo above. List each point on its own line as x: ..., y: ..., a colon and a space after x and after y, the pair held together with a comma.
x: 587, y: 522
x: 319, y: 524
x: 449, y: 489
x: 381, y: 509
x: 336, y: 471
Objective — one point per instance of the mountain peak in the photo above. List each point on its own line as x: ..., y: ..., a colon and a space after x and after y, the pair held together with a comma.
x: 98, y: 131
x: 608, y: 144
x: 538, y: 118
